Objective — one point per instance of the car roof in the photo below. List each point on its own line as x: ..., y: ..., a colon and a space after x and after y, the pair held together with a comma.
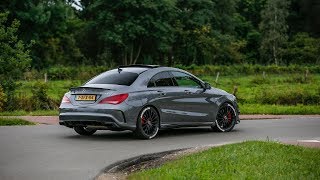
x: 136, y: 68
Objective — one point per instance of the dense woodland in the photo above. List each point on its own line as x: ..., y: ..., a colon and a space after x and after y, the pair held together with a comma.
x: 75, y: 40
x: 167, y: 32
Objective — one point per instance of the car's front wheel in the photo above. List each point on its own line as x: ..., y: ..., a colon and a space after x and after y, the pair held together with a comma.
x: 84, y: 131
x: 147, y: 123
x: 226, y: 118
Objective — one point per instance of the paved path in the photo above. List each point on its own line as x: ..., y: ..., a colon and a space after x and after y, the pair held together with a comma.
x: 56, y: 152
x: 55, y: 119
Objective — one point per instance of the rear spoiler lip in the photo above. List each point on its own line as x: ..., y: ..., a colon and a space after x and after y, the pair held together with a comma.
x: 75, y: 88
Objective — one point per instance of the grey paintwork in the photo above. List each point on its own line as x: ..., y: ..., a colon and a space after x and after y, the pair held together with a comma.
x: 177, y: 106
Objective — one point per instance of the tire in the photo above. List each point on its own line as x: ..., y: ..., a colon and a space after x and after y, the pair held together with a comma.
x: 226, y: 118
x: 148, y: 121
x: 83, y: 131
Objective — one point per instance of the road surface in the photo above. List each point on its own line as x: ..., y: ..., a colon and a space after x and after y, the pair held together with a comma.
x: 56, y: 152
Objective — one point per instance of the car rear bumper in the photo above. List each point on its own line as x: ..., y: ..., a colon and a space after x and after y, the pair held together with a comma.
x: 112, y: 120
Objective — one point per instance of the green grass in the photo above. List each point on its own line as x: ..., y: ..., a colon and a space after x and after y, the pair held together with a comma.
x: 56, y: 89
x: 279, y: 109
x: 274, y: 94
x: 247, y: 160
x: 32, y: 113
x: 14, y: 122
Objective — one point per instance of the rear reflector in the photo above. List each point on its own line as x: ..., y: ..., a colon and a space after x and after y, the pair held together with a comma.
x: 65, y: 99
x: 116, y: 99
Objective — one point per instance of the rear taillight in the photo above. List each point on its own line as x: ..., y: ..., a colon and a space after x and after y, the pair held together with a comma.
x: 65, y: 99
x: 116, y: 99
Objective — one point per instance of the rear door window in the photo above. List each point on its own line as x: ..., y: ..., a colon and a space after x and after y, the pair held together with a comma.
x: 161, y: 80
x: 115, y: 77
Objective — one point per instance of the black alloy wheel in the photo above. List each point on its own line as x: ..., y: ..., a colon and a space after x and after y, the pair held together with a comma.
x: 147, y: 123
x: 226, y: 118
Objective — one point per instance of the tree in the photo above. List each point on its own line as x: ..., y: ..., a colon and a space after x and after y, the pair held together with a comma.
x: 14, y: 57
x: 129, y: 27
x: 52, y: 25
x: 302, y: 49
x: 273, y: 28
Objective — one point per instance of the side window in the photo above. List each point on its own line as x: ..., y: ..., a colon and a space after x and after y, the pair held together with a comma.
x: 185, y: 80
x: 160, y: 80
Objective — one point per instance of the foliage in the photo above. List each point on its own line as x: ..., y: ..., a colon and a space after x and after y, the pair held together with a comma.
x: 246, y: 160
x: 14, y: 58
x: 30, y: 113
x: 279, y: 90
x: 52, y: 26
x: 288, y: 97
x: 279, y: 109
x: 14, y: 122
x: 274, y: 28
x: 3, y: 99
x: 303, y: 49
x: 132, y: 26
x: 167, y: 32
x: 39, y: 96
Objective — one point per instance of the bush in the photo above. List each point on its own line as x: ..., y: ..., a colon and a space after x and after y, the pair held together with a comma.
x: 288, y: 97
x: 3, y: 99
x: 80, y: 73
x: 40, y: 99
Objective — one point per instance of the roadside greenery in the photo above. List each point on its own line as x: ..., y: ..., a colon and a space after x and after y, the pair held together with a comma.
x: 71, y: 41
x: 259, y: 89
x: 247, y: 160
x: 30, y: 113
x: 14, y: 60
x: 167, y: 32
x: 14, y: 122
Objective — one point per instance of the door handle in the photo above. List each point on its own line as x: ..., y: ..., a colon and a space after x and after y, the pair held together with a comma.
x: 161, y: 93
x: 187, y: 92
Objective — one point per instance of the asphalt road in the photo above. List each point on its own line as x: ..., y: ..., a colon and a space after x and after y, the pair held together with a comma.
x: 55, y: 152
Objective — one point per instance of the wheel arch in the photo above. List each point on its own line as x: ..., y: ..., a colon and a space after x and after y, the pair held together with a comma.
x: 150, y: 105
x: 221, y: 103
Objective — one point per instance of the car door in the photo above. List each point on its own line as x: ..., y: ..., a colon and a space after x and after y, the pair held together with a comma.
x: 192, y: 103
x: 163, y: 93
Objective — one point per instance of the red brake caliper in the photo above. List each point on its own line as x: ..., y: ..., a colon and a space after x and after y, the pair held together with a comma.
x: 143, y: 120
x: 229, y: 117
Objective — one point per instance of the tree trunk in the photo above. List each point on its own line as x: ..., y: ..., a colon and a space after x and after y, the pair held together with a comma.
x: 125, y: 57
x: 131, y: 54
x: 138, y: 54
x: 170, y: 54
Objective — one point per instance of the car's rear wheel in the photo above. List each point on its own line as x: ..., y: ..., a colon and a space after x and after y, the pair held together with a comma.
x: 147, y: 123
x: 84, y: 131
x: 226, y: 118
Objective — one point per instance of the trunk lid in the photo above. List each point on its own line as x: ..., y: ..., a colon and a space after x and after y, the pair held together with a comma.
x: 91, y: 94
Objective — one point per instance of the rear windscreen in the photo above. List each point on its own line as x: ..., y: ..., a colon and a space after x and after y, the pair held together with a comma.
x: 115, y: 77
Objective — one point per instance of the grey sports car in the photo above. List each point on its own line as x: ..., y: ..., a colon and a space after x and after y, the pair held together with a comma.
x: 144, y: 99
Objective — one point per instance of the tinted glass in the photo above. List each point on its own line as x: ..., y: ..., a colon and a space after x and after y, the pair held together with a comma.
x: 185, y: 80
x: 160, y: 80
x: 115, y: 77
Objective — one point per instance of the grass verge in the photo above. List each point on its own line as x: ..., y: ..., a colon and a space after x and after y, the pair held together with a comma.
x: 279, y: 109
x: 14, y: 122
x: 247, y: 160
x: 31, y: 113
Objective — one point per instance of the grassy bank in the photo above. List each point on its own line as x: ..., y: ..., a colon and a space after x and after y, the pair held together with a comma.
x: 248, y: 160
x: 259, y: 89
x: 30, y: 113
x: 14, y: 122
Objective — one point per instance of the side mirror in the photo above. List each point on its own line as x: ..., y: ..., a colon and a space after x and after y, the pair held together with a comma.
x: 207, y: 85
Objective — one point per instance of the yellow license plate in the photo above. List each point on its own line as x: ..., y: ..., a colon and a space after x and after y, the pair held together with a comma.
x: 86, y: 97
